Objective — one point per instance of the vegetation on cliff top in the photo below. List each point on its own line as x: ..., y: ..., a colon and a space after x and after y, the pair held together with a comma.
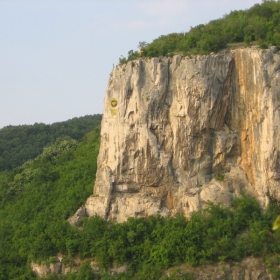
x: 259, y: 24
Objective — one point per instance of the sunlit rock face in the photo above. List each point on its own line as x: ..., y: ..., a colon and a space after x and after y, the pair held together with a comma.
x: 179, y: 132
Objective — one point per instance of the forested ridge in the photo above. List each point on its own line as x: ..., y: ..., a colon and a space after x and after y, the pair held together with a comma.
x: 258, y: 25
x: 24, y: 142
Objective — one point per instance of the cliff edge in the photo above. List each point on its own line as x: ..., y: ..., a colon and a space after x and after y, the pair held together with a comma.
x: 179, y: 132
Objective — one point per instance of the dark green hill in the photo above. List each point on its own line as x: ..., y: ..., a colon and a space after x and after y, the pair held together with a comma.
x: 24, y: 142
x: 259, y: 24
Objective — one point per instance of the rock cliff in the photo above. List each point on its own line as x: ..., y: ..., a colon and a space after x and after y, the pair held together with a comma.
x: 179, y: 132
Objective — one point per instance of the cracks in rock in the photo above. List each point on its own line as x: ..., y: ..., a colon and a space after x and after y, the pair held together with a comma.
x: 222, y: 100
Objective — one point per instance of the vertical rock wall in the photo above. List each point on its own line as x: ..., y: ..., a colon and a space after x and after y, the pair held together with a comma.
x: 254, y: 114
x: 178, y: 132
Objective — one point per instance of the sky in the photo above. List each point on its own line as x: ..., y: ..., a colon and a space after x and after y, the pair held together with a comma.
x: 56, y: 55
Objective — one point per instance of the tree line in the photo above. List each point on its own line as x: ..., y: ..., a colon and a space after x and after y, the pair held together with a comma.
x: 259, y: 25
x: 24, y: 142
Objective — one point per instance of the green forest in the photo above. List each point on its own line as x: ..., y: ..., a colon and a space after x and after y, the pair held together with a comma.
x: 24, y: 142
x: 258, y: 25
x: 36, y: 199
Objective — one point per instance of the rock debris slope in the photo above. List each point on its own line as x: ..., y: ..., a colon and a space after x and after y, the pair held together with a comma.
x: 179, y: 132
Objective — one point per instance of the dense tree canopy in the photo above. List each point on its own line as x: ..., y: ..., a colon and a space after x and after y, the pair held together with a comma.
x: 259, y: 24
x: 38, y: 197
x: 21, y: 143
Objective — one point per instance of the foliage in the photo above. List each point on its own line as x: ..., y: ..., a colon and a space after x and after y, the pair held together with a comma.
x: 219, y: 173
x: 259, y: 24
x: 149, y: 245
x: 24, y: 142
x: 273, y: 263
x: 37, y: 198
x: 85, y: 272
x: 61, y: 145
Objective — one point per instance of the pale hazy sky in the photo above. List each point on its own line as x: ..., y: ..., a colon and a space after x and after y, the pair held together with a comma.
x: 56, y: 55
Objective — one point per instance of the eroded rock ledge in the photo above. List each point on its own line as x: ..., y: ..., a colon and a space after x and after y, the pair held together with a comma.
x: 178, y: 132
x: 248, y: 269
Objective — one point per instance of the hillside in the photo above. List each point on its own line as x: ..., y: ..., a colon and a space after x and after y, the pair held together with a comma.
x: 36, y: 199
x: 24, y: 142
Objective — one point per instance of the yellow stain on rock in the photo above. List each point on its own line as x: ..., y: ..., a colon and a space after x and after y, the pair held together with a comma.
x: 114, y: 112
x: 113, y: 105
x: 113, y: 102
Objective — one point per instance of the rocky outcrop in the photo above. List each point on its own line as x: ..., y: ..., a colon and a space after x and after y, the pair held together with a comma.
x: 44, y: 270
x: 179, y: 132
x: 247, y: 269
x: 63, y: 266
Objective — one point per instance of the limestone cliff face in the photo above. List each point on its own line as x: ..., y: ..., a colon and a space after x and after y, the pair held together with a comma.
x: 178, y: 132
